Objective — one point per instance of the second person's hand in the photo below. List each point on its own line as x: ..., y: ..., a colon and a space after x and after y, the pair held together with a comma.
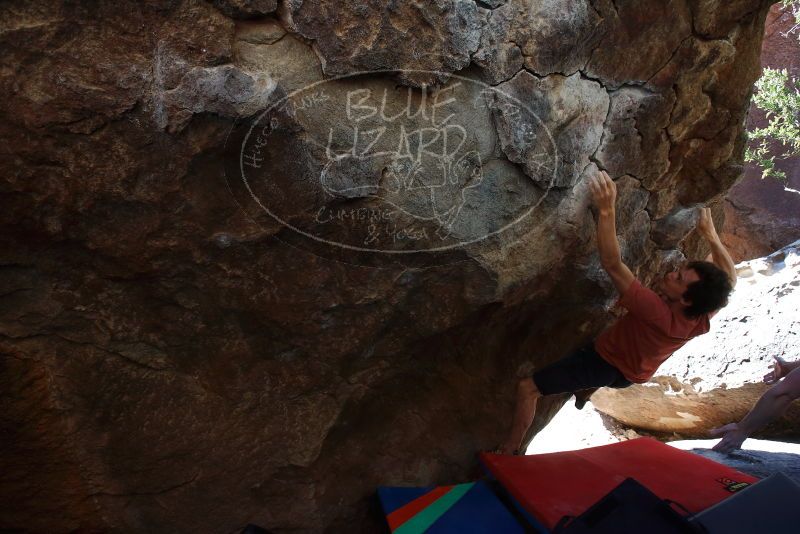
x: 779, y: 370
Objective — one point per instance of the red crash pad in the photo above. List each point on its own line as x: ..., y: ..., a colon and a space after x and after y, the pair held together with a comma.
x: 553, y: 485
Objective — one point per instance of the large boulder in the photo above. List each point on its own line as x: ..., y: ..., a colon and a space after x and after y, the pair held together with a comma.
x: 716, y: 378
x: 245, y: 281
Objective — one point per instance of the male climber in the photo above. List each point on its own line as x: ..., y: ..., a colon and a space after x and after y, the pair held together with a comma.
x: 656, y: 324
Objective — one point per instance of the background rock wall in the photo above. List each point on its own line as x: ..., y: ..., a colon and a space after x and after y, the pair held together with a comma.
x: 761, y: 216
x: 178, y: 358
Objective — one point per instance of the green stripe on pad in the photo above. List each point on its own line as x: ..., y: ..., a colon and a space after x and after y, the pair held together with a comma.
x: 425, y: 518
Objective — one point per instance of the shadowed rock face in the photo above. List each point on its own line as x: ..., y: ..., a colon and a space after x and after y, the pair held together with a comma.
x: 242, y: 283
x: 373, y: 35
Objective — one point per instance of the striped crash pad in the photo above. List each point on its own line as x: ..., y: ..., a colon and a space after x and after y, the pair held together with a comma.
x: 550, y: 486
x: 471, y: 507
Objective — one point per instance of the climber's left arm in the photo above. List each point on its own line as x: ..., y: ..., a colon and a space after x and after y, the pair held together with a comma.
x: 719, y: 254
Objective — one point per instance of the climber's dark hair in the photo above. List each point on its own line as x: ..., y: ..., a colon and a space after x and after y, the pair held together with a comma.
x: 710, y: 292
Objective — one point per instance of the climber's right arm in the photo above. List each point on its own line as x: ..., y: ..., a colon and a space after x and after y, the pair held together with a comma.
x: 604, y: 194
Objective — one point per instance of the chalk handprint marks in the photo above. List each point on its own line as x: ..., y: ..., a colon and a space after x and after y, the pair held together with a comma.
x: 370, y: 166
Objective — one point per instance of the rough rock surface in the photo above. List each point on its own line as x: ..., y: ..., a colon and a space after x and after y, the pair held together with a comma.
x: 717, y: 377
x: 371, y: 35
x: 763, y: 215
x: 572, y: 109
x: 209, y: 318
x: 246, y: 8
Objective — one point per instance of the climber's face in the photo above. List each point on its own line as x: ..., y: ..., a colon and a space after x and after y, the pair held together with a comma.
x: 676, y: 282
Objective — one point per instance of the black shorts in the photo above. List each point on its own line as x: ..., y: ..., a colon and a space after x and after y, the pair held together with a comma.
x: 583, y: 369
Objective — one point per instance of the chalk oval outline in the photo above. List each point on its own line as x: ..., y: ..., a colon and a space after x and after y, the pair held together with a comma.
x: 418, y: 251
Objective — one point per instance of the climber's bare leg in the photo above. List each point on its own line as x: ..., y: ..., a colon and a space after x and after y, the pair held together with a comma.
x: 525, y: 409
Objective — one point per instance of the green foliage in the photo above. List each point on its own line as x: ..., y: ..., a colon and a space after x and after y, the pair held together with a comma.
x: 779, y: 96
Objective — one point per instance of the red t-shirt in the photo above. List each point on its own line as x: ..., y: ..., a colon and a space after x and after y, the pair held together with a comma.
x: 641, y: 340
